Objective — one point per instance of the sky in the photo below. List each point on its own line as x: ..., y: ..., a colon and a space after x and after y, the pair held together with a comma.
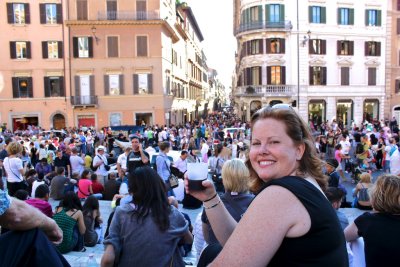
x: 215, y: 19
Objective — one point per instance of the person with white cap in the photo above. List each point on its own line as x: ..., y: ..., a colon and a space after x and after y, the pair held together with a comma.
x: 100, y: 161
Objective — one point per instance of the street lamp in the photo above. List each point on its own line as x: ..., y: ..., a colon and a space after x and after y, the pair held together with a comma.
x: 94, y: 34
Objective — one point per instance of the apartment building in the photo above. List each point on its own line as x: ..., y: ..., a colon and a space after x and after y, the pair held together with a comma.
x: 100, y: 63
x: 326, y: 58
x: 32, y: 65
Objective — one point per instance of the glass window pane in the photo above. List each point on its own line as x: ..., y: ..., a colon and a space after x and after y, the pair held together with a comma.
x: 143, y: 84
x: 114, y: 84
x: 55, y: 88
x: 19, y: 13
x: 21, y: 49
x: 51, y: 14
x: 52, y: 48
x: 83, y: 47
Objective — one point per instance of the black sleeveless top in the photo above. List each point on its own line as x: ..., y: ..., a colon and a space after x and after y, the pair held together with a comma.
x: 324, y: 244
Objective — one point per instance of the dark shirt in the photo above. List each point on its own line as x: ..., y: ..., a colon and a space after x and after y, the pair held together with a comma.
x: 134, y: 160
x: 333, y: 179
x: 63, y: 162
x: 97, y: 187
x: 57, y: 187
x: 357, y: 137
x: 381, y: 233
x: 110, y: 189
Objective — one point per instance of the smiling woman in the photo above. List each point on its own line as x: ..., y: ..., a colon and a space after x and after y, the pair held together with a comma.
x: 290, y: 214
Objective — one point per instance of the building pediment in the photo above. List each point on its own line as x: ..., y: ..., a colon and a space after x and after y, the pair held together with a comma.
x: 372, y: 62
x: 345, y: 62
x: 317, y: 61
x: 275, y: 60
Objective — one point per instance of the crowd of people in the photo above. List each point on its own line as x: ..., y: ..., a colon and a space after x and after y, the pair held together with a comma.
x: 274, y: 191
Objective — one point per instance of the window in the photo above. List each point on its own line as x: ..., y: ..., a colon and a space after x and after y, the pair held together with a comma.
x: 255, y: 14
x: 256, y: 47
x: 52, y: 49
x: 317, y: 47
x: 141, y: 44
x: 276, y: 75
x: 81, y: 10
x: 275, y: 46
x: 18, y: 13
x: 397, y: 86
x: 317, y: 75
x: 20, y: 50
x: 373, y: 49
x: 345, y: 48
x: 373, y: 17
x: 50, y: 14
x: 111, y: 9
x: 113, y: 84
x: 54, y: 86
x: 141, y: 9
x: 371, y: 76
x: 84, y: 90
x: 143, y: 83
x: 398, y: 26
x: 344, y: 76
x: 83, y: 47
x: 252, y: 76
x: 22, y: 87
x: 115, y: 119
x: 112, y: 46
x: 345, y: 16
x: 317, y: 14
x: 252, y: 16
x: 398, y: 5
x: 275, y: 13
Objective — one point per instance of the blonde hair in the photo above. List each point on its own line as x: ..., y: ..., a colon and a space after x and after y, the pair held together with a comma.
x: 14, y: 148
x: 235, y: 176
x: 385, y: 194
x: 365, y: 177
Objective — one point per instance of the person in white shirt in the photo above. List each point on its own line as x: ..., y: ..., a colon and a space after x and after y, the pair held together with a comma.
x: 77, y: 162
x: 204, y: 148
x: 181, y: 162
x: 100, y: 161
x: 234, y: 148
x: 121, y: 162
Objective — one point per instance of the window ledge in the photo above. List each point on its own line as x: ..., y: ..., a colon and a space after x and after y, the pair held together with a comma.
x: 51, y: 24
x: 21, y: 59
x: 19, y: 24
x: 53, y: 59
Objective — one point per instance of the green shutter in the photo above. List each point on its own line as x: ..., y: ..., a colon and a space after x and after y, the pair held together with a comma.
x: 248, y: 16
x: 339, y: 19
x: 281, y: 12
x: 366, y: 17
x: 323, y: 15
x: 310, y: 14
x: 351, y: 16
x: 379, y: 18
x: 260, y: 19
x: 267, y: 8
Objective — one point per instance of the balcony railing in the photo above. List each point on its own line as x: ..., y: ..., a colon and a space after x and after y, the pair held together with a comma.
x: 87, y: 100
x: 284, y: 25
x: 128, y: 15
x: 265, y: 90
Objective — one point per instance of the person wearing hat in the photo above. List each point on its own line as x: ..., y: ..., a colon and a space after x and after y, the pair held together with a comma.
x: 100, y: 161
x: 331, y: 165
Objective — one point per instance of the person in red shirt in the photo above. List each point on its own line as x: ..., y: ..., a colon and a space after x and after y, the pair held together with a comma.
x: 41, y: 200
x: 97, y: 187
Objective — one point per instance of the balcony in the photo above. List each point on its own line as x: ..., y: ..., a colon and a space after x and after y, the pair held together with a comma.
x: 265, y: 90
x: 284, y: 25
x: 128, y: 15
x: 84, y: 101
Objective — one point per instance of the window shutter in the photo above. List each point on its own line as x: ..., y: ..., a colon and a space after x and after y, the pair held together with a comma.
x: 351, y: 48
x: 268, y: 46
x: 323, y: 47
x: 398, y: 26
x: 27, y: 14
x: 269, y: 74
x: 344, y: 75
x: 371, y: 76
x: 261, y: 46
x: 62, y: 87
x: 150, y: 83
x: 396, y: 87
x: 283, y: 75
x: 13, y: 51
x: 45, y: 52
x: 339, y: 18
x: 60, y: 49
x: 106, y: 85
x: 15, y: 87
x: 310, y: 14
x: 260, y: 18
x: 311, y: 75
x: 310, y: 47
x: 135, y: 84
x: 259, y: 70
x: 75, y: 47
x: 10, y: 13
x: 379, y: 18
x: 366, y: 17
x: 323, y: 14
x: 121, y: 84
x: 59, y: 14
x: 378, y: 49
x: 282, y: 45
x: 351, y: 16
x: 267, y: 8
x: 248, y: 48
x: 30, y: 87
x: 92, y: 88
x: 90, y: 44
x: 339, y: 45
x: 282, y: 13
x: 28, y: 50
x: 46, y: 87
x: 248, y: 76
x: 323, y: 70
x: 398, y: 5
x: 42, y: 9
x: 248, y: 15
x: 77, y: 85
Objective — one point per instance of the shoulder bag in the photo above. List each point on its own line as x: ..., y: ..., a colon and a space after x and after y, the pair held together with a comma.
x: 173, y: 180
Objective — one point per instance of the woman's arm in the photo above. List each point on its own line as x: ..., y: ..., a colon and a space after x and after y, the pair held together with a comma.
x: 351, y: 232
x: 81, y: 222
x: 187, y: 237
x: 274, y: 214
x: 91, y: 189
x: 108, y: 256
x: 356, y: 190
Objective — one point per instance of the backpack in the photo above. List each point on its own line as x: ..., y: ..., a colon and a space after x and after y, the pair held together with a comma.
x: 363, y: 194
x: 93, y: 168
x: 359, y: 148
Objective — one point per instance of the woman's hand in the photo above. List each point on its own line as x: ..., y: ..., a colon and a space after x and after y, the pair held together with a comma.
x: 201, y: 195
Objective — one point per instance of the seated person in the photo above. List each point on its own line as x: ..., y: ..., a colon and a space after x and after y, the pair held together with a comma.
x: 41, y: 200
x: 335, y: 196
x: 97, y: 187
x: 60, y: 184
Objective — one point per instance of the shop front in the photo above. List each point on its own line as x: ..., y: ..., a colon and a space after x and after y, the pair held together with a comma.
x: 371, y: 110
x: 316, y: 112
